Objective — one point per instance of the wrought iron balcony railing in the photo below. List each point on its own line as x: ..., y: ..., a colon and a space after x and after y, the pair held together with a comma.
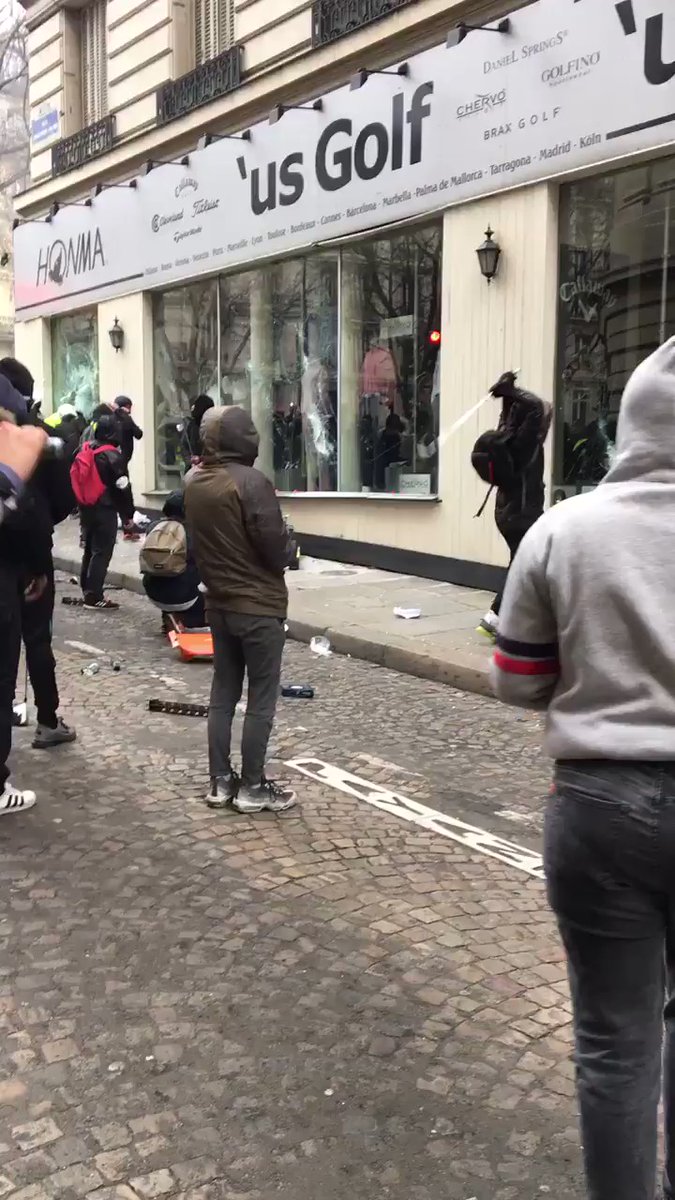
x: 81, y: 147
x: 207, y: 82
x: 333, y: 19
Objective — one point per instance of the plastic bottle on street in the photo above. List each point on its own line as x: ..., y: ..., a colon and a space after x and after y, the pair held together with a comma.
x: 321, y: 646
x: 91, y: 669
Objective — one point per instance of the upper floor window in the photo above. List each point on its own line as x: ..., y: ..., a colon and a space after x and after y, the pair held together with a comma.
x: 94, y: 62
x: 214, y: 28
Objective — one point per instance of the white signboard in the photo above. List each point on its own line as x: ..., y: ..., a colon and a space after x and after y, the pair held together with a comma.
x: 574, y: 83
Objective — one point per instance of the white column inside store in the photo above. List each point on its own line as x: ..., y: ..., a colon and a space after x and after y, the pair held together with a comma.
x: 350, y: 365
x: 262, y: 365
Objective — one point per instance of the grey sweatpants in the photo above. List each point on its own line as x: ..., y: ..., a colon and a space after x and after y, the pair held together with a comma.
x: 252, y: 645
x: 610, y: 867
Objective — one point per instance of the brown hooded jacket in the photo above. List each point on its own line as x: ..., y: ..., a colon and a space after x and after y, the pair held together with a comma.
x: 241, y: 544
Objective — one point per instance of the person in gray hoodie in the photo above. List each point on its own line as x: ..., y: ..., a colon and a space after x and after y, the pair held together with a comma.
x: 585, y: 635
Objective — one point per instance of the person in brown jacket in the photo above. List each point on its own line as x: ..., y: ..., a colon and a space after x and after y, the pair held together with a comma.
x: 242, y: 548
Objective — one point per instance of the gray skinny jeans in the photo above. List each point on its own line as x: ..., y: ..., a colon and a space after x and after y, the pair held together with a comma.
x: 243, y: 644
x: 610, y: 868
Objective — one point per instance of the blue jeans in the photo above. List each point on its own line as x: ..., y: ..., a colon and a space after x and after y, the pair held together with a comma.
x: 610, y: 868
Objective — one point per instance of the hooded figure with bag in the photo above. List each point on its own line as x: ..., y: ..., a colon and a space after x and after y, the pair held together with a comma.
x: 170, y: 576
x: 511, y: 459
x: 101, y: 486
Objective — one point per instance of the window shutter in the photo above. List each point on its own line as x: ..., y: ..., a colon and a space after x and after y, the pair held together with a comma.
x: 214, y: 28
x: 227, y: 24
x: 94, y: 63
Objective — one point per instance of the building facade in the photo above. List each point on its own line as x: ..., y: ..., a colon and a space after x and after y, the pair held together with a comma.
x: 278, y: 204
x: 13, y: 163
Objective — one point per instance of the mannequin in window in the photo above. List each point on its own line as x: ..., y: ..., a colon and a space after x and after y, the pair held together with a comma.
x: 388, y: 447
x: 379, y: 413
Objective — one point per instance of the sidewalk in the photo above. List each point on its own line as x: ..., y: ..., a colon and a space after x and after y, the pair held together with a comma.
x: 354, y: 608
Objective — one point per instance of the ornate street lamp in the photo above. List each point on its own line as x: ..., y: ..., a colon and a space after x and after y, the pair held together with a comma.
x: 489, y: 254
x: 116, y: 335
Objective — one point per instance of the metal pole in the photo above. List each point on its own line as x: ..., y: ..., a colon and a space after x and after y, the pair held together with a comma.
x: 664, y: 273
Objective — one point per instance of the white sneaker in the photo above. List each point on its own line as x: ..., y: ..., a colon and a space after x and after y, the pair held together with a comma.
x: 12, y: 800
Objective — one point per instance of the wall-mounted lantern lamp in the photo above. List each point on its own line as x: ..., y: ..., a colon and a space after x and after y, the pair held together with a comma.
x: 489, y: 254
x: 116, y: 335
x: 361, y: 77
x: 461, y: 31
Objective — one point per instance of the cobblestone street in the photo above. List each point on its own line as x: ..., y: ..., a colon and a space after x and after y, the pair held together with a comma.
x: 337, y: 1003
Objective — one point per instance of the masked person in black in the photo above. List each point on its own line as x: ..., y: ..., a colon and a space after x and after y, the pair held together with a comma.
x: 25, y: 561
x: 52, y: 500
x: 101, y: 486
x: 130, y: 432
x: 191, y: 446
x: 523, y: 427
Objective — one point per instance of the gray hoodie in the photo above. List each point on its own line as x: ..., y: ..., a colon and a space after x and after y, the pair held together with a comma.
x: 586, y: 630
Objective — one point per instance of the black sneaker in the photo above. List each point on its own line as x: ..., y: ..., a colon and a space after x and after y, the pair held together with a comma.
x: 266, y: 796
x: 103, y: 605
x: 223, y: 790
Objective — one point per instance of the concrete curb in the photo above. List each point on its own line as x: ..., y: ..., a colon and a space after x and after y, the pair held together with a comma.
x: 459, y: 673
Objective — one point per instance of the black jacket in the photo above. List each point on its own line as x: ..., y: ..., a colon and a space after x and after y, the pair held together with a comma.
x: 191, y: 446
x: 128, y: 433
x: 112, y: 467
x: 525, y: 421
x: 26, y: 535
x: 26, y: 531
x: 69, y: 430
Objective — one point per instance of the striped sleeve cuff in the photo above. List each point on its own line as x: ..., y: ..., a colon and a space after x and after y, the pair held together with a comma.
x: 526, y: 658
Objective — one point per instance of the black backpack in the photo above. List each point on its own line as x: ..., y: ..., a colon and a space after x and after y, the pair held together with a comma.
x: 492, y: 460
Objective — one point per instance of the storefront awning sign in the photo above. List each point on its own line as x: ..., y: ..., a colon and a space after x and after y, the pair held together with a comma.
x: 576, y: 83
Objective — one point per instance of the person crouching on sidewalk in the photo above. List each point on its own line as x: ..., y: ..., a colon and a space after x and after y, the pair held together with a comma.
x: 584, y: 634
x: 170, y: 576
x: 242, y: 549
x: 102, y: 490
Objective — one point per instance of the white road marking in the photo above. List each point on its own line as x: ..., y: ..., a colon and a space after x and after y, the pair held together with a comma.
x: 428, y: 818
x: 85, y: 647
x: 373, y: 761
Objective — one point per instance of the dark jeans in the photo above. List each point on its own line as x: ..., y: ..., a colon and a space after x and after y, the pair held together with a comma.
x: 513, y: 541
x: 610, y: 867
x: 36, y: 628
x: 253, y: 645
x: 99, y: 526
x: 10, y: 647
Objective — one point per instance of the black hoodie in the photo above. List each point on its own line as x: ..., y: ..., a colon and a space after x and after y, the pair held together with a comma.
x: 192, y: 447
x: 525, y: 420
